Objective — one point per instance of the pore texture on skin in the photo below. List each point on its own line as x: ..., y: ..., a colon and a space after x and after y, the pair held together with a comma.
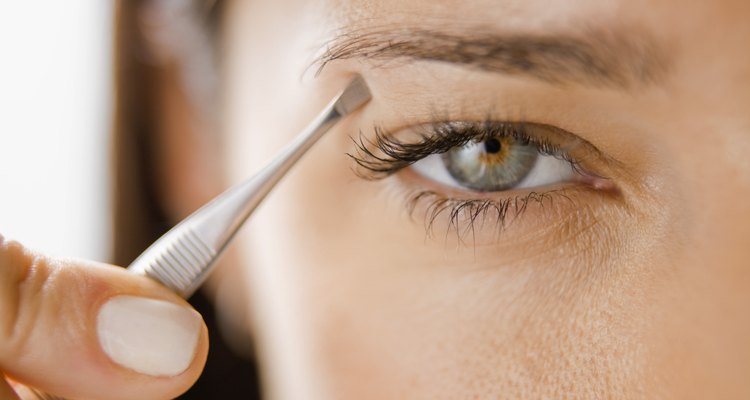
x: 633, y: 290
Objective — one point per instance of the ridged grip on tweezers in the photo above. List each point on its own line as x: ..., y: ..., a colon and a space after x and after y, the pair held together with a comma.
x: 179, y: 260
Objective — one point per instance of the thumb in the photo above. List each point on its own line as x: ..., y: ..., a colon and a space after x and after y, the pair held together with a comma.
x: 84, y: 330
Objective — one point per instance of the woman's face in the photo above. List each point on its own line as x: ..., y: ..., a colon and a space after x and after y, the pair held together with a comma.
x: 501, y: 269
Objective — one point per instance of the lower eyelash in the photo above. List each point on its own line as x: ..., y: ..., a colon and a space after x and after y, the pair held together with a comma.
x: 465, y: 214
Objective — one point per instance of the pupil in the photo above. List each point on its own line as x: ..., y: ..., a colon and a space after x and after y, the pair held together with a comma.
x: 492, y: 146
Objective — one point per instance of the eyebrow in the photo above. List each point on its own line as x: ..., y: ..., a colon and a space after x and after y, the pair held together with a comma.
x: 599, y: 59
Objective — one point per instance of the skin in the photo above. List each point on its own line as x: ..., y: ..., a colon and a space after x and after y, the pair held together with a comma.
x: 634, y: 289
x: 640, y: 293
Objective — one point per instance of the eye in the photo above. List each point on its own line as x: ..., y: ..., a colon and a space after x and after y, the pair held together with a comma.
x: 495, y: 164
x: 495, y: 169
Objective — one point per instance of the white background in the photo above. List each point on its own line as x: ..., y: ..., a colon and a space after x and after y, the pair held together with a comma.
x: 55, y: 110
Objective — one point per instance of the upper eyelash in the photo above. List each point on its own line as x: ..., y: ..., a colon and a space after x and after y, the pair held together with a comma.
x: 438, y: 138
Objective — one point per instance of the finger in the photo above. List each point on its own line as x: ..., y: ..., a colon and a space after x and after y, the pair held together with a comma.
x: 86, y: 330
x: 6, y: 391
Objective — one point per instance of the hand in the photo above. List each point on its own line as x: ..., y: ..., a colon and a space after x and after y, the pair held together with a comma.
x: 82, y: 330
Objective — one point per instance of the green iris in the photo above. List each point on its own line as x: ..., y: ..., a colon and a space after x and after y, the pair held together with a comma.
x: 494, y: 164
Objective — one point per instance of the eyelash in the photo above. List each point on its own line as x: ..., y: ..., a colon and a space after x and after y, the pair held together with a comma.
x: 385, y: 155
x: 439, y: 138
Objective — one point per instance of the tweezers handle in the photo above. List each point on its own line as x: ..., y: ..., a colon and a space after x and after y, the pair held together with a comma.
x: 184, y: 256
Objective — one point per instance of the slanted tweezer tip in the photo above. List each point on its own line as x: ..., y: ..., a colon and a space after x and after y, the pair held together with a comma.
x: 354, y: 96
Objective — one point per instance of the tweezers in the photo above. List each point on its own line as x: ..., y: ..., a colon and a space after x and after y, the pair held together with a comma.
x: 183, y: 257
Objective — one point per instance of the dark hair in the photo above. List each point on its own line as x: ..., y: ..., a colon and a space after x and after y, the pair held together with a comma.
x: 142, y: 54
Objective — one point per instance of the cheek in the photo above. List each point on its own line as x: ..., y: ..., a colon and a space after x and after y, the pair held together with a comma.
x: 376, y: 310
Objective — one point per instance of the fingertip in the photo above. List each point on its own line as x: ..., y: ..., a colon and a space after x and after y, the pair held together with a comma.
x: 168, y: 387
x: 150, y: 336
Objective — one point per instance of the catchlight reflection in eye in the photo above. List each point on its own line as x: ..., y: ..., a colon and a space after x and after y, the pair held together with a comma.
x: 495, y: 164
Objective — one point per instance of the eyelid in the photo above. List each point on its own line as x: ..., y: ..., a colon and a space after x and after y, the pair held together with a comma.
x: 388, y: 153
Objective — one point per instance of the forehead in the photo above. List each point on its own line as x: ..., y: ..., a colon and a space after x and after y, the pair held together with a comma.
x: 510, y: 14
x: 541, y: 15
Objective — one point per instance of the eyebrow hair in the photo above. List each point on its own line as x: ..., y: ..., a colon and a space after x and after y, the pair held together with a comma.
x: 593, y: 59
